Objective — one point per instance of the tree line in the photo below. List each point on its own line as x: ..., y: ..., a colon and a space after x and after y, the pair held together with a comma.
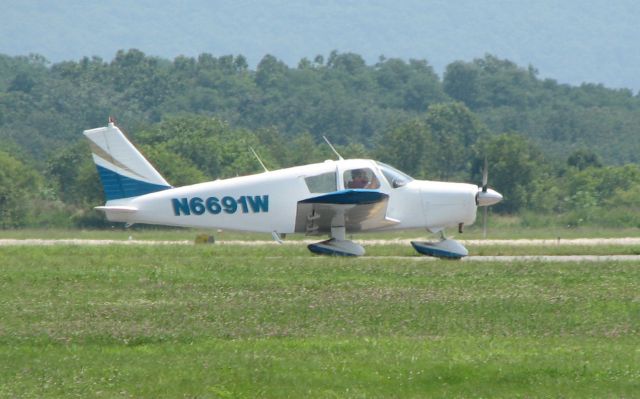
x: 554, y: 150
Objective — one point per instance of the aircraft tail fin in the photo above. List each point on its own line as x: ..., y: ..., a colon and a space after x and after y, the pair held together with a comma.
x: 124, y: 172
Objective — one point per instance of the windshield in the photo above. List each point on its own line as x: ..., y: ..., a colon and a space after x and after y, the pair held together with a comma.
x: 394, y: 176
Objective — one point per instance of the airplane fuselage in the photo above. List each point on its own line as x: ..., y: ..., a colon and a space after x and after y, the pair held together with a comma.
x: 268, y: 202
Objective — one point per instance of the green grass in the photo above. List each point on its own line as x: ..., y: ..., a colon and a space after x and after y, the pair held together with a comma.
x: 557, y: 250
x: 215, y: 321
x: 120, y: 233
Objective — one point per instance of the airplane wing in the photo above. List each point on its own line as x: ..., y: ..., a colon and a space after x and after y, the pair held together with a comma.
x: 356, y: 209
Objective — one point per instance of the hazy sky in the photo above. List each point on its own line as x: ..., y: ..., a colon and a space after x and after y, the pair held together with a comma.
x: 569, y: 40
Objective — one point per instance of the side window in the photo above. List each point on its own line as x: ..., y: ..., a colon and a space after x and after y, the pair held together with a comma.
x: 324, y: 183
x: 361, y: 178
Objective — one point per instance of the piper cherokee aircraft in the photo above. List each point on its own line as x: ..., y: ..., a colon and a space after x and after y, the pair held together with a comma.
x: 333, y: 197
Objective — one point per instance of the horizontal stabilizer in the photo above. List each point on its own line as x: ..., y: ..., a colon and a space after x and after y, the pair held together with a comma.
x: 118, y: 213
x: 124, y: 209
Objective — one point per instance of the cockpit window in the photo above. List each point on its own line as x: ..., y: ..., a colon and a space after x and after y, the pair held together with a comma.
x: 361, y: 178
x: 394, y: 176
x: 324, y: 183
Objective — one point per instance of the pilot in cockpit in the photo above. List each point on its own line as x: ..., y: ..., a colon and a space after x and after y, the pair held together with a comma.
x: 363, y: 178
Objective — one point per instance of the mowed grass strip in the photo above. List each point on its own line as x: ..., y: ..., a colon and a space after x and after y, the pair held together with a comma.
x: 204, y: 321
x: 328, y: 367
x: 504, y: 230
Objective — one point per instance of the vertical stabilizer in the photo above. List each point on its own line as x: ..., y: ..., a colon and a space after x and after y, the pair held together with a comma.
x: 124, y: 172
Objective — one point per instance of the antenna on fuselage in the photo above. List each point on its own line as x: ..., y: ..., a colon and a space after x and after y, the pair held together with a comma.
x: 333, y: 148
x: 258, y: 158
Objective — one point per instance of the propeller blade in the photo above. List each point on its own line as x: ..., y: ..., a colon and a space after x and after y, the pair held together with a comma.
x: 484, y: 222
x: 487, y: 196
x: 485, y: 175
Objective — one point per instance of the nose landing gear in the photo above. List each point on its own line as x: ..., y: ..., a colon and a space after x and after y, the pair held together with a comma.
x: 446, y: 248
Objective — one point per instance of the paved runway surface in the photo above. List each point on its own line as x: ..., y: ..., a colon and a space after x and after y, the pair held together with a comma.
x: 523, y: 242
x: 506, y: 258
x: 528, y: 258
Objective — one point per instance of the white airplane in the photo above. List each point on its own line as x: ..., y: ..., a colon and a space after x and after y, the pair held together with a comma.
x: 333, y: 197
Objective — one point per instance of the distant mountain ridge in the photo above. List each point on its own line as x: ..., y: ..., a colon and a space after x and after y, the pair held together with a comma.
x: 571, y: 41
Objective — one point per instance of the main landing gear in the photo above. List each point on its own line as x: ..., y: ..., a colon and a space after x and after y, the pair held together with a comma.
x: 338, y: 245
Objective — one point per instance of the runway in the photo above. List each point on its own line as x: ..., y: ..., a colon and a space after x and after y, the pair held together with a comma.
x: 625, y: 241
x: 521, y: 258
x: 417, y: 258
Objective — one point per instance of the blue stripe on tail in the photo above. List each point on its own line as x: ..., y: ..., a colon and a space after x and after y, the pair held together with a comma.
x: 117, y: 186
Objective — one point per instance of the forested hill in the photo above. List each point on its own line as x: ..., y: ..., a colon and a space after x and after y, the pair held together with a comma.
x: 43, y: 108
x: 549, y: 144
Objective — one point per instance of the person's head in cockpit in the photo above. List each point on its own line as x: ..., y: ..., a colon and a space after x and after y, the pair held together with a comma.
x: 359, y: 178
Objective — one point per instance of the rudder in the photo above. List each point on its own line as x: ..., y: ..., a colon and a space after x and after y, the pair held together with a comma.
x: 124, y: 171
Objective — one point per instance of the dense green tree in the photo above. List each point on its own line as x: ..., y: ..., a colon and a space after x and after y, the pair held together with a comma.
x: 461, y: 83
x: 412, y: 86
x: 454, y: 130
x: 584, y: 158
x: 208, y: 144
x: 406, y: 148
x: 304, y: 149
x: 602, y: 195
x: 177, y: 170
x: 19, y: 187
x: 515, y: 165
x: 270, y: 72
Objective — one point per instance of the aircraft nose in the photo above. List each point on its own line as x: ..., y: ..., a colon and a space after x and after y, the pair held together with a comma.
x: 489, y: 197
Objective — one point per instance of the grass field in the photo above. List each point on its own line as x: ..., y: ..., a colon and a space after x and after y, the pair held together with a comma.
x: 231, y: 321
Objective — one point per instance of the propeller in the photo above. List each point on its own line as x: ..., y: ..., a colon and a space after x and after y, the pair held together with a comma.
x: 485, y: 182
x: 486, y: 196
